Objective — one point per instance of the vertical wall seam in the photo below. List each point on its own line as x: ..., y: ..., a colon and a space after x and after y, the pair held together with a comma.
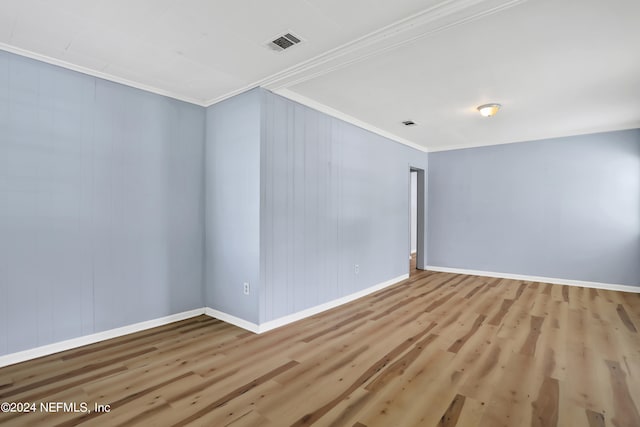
x: 203, y: 204
x: 92, y: 207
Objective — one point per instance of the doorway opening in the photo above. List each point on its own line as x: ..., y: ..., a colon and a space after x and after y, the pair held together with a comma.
x: 416, y: 219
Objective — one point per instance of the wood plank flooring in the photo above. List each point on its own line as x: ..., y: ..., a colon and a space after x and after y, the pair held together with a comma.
x: 438, y: 349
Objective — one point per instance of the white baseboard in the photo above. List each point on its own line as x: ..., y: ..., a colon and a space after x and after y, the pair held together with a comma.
x: 584, y: 284
x: 22, y: 356
x: 276, y: 323
x: 45, y: 350
x: 290, y: 318
x: 241, y: 323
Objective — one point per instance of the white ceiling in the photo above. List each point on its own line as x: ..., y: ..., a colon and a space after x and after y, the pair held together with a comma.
x: 559, y: 67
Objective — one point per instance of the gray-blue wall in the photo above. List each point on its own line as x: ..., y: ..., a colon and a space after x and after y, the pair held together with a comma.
x: 566, y: 208
x: 119, y: 206
x: 233, y: 205
x: 334, y: 195
x: 101, y: 205
x: 295, y: 199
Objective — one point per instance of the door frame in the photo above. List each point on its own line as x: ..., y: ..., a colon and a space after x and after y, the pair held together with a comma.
x: 421, y: 249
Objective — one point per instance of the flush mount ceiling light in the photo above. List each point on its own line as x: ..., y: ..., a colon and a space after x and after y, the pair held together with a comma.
x: 488, y: 110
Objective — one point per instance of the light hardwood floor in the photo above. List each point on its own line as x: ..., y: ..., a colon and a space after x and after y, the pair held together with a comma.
x: 435, y: 350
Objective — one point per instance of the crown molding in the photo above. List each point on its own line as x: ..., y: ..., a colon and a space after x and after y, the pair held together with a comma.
x: 441, y: 16
x: 311, y: 103
x: 541, y: 137
x: 98, y: 74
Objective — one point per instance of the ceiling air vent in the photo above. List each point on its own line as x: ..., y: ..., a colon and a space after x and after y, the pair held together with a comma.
x: 283, y: 42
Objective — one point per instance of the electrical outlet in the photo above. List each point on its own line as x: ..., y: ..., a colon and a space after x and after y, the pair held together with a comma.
x: 356, y: 269
x: 245, y: 288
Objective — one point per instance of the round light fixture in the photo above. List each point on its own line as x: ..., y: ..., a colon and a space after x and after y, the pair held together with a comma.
x: 488, y: 110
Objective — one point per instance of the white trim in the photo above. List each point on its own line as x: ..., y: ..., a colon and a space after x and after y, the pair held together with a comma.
x: 534, y: 138
x: 441, y: 16
x: 287, y: 93
x: 420, y: 24
x: 276, y: 323
x: 45, y: 350
x: 229, y: 94
x: 228, y: 318
x: 301, y: 99
x: 290, y: 318
x: 392, y: 36
x: 581, y: 283
x: 99, y: 74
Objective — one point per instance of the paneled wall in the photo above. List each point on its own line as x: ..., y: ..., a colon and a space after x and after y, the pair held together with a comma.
x: 233, y: 205
x: 101, y: 205
x: 566, y: 208
x: 119, y: 206
x: 295, y: 200
x: 334, y: 196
